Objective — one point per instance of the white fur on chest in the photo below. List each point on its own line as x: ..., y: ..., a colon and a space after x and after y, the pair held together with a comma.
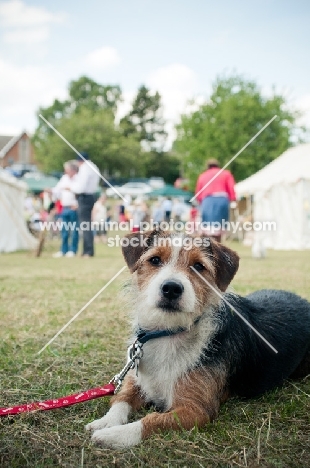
x: 166, y: 360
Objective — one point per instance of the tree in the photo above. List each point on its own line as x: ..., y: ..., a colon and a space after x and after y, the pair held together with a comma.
x: 84, y: 93
x: 145, y: 120
x: 235, y: 112
x: 87, y: 120
x: 162, y: 164
x: 94, y: 132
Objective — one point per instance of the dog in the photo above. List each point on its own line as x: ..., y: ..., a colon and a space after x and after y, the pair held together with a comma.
x: 209, y: 354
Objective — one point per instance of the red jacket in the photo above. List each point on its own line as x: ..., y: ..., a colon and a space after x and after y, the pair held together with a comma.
x: 224, y: 182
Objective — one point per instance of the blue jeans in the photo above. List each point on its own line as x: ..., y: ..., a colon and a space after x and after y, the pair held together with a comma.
x: 69, y: 234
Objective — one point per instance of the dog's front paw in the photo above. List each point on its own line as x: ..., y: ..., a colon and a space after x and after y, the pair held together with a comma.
x: 119, y: 436
x: 117, y: 416
x: 96, y: 425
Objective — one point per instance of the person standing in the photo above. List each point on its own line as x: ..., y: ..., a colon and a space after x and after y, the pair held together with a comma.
x: 85, y: 187
x: 69, y: 230
x: 99, y: 218
x: 215, y: 190
x: 178, y: 209
x: 167, y: 209
x: 157, y: 213
x: 137, y: 215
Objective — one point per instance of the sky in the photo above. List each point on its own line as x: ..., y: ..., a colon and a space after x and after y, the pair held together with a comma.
x: 176, y: 47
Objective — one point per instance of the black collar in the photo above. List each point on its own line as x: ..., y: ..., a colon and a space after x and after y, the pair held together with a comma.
x: 145, y: 335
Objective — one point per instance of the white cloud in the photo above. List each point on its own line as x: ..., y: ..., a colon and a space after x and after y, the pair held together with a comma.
x: 15, y: 13
x: 126, y: 105
x: 26, y: 36
x: 176, y: 83
x: 23, y: 90
x: 303, y: 104
x: 26, y: 24
x: 10, y: 130
x: 102, y: 58
x: 173, y: 75
x: 299, y: 103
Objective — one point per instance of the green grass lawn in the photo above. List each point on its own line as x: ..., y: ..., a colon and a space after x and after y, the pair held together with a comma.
x: 39, y: 295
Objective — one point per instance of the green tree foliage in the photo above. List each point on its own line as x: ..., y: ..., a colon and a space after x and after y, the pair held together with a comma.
x: 145, y: 120
x: 162, y: 164
x: 86, y: 93
x: 235, y: 112
x: 145, y: 123
x: 83, y: 93
x: 95, y: 133
x: 87, y: 120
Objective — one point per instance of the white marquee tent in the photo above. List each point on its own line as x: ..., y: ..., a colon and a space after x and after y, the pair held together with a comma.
x: 14, y: 234
x: 281, y: 193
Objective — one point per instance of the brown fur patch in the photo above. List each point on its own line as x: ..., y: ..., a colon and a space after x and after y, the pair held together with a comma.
x: 186, y: 258
x: 226, y: 263
x: 196, y: 402
x: 145, y: 270
x: 129, y: 393
x: 220, y: 261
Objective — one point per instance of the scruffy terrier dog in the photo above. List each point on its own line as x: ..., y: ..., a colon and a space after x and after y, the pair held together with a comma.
x: 210, y: 353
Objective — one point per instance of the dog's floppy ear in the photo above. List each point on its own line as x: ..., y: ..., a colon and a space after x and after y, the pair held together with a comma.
x: 226, y: 263
x: 134, y: 245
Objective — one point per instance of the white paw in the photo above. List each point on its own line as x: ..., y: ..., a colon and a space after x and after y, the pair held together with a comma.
x: 116, y: 416
x: 119, y: 436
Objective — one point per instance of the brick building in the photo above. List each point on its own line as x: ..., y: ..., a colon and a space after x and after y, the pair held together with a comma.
x: 16, y: 149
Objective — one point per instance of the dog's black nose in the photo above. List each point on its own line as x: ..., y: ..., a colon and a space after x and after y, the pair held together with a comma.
x: 172, y: 289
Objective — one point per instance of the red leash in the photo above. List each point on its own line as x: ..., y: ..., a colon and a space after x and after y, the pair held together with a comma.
x: 91, y: 394
x: 134, y: 353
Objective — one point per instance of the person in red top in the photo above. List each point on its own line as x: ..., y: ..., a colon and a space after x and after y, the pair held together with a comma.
x: 214, y: 191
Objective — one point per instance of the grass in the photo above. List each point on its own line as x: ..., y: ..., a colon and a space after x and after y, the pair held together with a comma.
x: 39, y: 295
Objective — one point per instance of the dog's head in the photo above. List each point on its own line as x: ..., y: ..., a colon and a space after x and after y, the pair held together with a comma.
x: 168, y: 292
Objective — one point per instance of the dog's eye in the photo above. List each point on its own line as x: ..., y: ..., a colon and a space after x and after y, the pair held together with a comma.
x: 155, y: 261
x: 198, y: 266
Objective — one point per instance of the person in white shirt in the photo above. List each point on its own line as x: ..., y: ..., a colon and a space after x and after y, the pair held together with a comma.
x: 167, y: 208
x: 85, y: 186
x: 69, y: 215
x: 157, y: 212
x: 178, y: 209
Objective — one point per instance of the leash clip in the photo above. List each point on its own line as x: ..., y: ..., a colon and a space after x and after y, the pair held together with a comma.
x: 134, y: 353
